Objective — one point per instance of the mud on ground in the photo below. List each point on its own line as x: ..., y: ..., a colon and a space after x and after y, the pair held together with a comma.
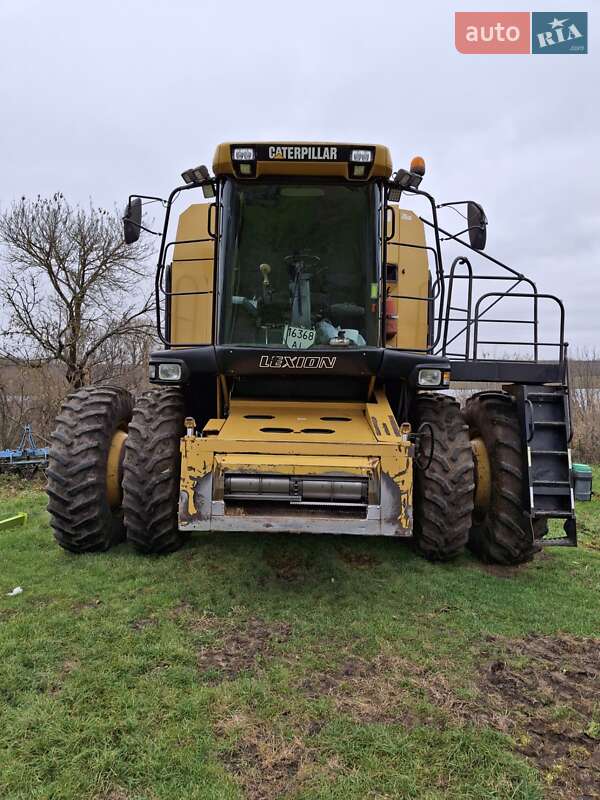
x: 239, y: 649
x: 265, y: 764
x: 545, y: 692
x: 542, y: 691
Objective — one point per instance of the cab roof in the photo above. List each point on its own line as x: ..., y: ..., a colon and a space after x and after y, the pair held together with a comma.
x: 249, y: 160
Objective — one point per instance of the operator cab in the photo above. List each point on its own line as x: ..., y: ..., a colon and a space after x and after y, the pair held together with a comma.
x: 299, y: 247
x: 298, y: 263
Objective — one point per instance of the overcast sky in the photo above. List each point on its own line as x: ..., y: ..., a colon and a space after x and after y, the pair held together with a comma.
x: 100, y: 99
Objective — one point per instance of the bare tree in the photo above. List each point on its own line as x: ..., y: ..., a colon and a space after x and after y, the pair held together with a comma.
x: 72, y: 289
x: 12, y: 405
x: 29, y: 396
x: 585, y: 404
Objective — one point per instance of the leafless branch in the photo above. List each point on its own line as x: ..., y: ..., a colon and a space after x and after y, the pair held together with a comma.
x: 71, y: 289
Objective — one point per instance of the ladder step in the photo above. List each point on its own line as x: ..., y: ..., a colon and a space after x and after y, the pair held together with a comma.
x: 545, y: 411
x: 564, y: 541
x: 554, y: 514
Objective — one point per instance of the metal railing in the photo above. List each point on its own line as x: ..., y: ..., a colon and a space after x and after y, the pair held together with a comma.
x: 466, y: 342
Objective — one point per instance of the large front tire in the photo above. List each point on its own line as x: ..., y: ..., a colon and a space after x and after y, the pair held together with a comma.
x: 443, y: 493
x: 151, y: 472
x: 502, y: 532
x: 84, y: 498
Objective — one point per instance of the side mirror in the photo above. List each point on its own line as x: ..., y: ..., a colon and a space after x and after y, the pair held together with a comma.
x: 132, y: 221
x: 477, y: 222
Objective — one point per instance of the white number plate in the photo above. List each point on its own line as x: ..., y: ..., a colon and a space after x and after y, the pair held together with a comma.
x: 298, y: 338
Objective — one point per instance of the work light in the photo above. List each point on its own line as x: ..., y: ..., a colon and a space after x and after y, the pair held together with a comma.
x: 169, y: 372
x: 243, y: 154
x: 361, y: 156
x: 196, y: 174
x: 433, y: 377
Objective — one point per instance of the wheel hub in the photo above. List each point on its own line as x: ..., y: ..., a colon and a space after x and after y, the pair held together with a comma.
x: 483, y: 476
x: 114, y: 469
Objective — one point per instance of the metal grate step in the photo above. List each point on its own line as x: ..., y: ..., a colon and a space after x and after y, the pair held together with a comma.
x: 550, y: 492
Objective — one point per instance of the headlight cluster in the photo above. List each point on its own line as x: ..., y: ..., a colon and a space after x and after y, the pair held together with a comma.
x: 433, y: 377
x: 167, y: 372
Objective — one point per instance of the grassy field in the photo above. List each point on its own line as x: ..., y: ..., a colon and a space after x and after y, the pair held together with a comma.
x: 293, y: 667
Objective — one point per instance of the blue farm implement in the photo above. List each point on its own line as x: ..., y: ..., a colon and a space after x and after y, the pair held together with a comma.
x: 27, y: 458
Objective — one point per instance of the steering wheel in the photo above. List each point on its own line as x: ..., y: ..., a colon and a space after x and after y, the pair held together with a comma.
x: 308, y: 259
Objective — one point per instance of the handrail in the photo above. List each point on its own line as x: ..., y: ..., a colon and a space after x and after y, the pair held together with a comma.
x: 161, y: 255
x: 459, y: 260
x: 173, y: 243
x: 536, y: 297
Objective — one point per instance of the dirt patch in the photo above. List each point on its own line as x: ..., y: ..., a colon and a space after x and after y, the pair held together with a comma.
x: 266, y: 765
x: 68, y: 666
x: 113, y: 794
x: 358, y: 559
x: 79, y: 607
x: 207, y: 621
x: 542, y: 691
x: 194, y: 618
x: 545, y: 692
x: 182, y: 609
x: 506, y: 572
x: 499, y: 571
x: 372, y: 691
x: 140, y: 624
x: 240, y: 648
x: 287, y: 567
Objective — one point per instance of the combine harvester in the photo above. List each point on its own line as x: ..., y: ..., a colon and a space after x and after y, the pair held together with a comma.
x: 309, y: 333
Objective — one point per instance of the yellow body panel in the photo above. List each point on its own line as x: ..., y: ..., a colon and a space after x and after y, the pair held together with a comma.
x: 192, y: 271
x: 301, y: 464
x: 382, y: 162
x: 297, y: 418
x: 412, y: 280
x: 359, y: 445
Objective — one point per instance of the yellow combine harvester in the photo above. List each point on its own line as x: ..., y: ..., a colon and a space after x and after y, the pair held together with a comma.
x: 309, y: 331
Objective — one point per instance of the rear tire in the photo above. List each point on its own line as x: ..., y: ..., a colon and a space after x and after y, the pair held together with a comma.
x: 503, y: 533
x: 443, y: 494
x: 80, y: 513
x: 151, y: 472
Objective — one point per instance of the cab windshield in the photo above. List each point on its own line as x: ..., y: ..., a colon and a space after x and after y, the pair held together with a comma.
x: 298, y: 264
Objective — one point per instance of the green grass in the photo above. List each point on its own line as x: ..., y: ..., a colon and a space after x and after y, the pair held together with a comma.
x: 271, y: 666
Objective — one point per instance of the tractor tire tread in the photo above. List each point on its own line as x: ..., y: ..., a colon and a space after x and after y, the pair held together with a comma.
x: 80, y: 516
x: 443, y: 501
x: 152, y: 470
x: 505, y: 535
